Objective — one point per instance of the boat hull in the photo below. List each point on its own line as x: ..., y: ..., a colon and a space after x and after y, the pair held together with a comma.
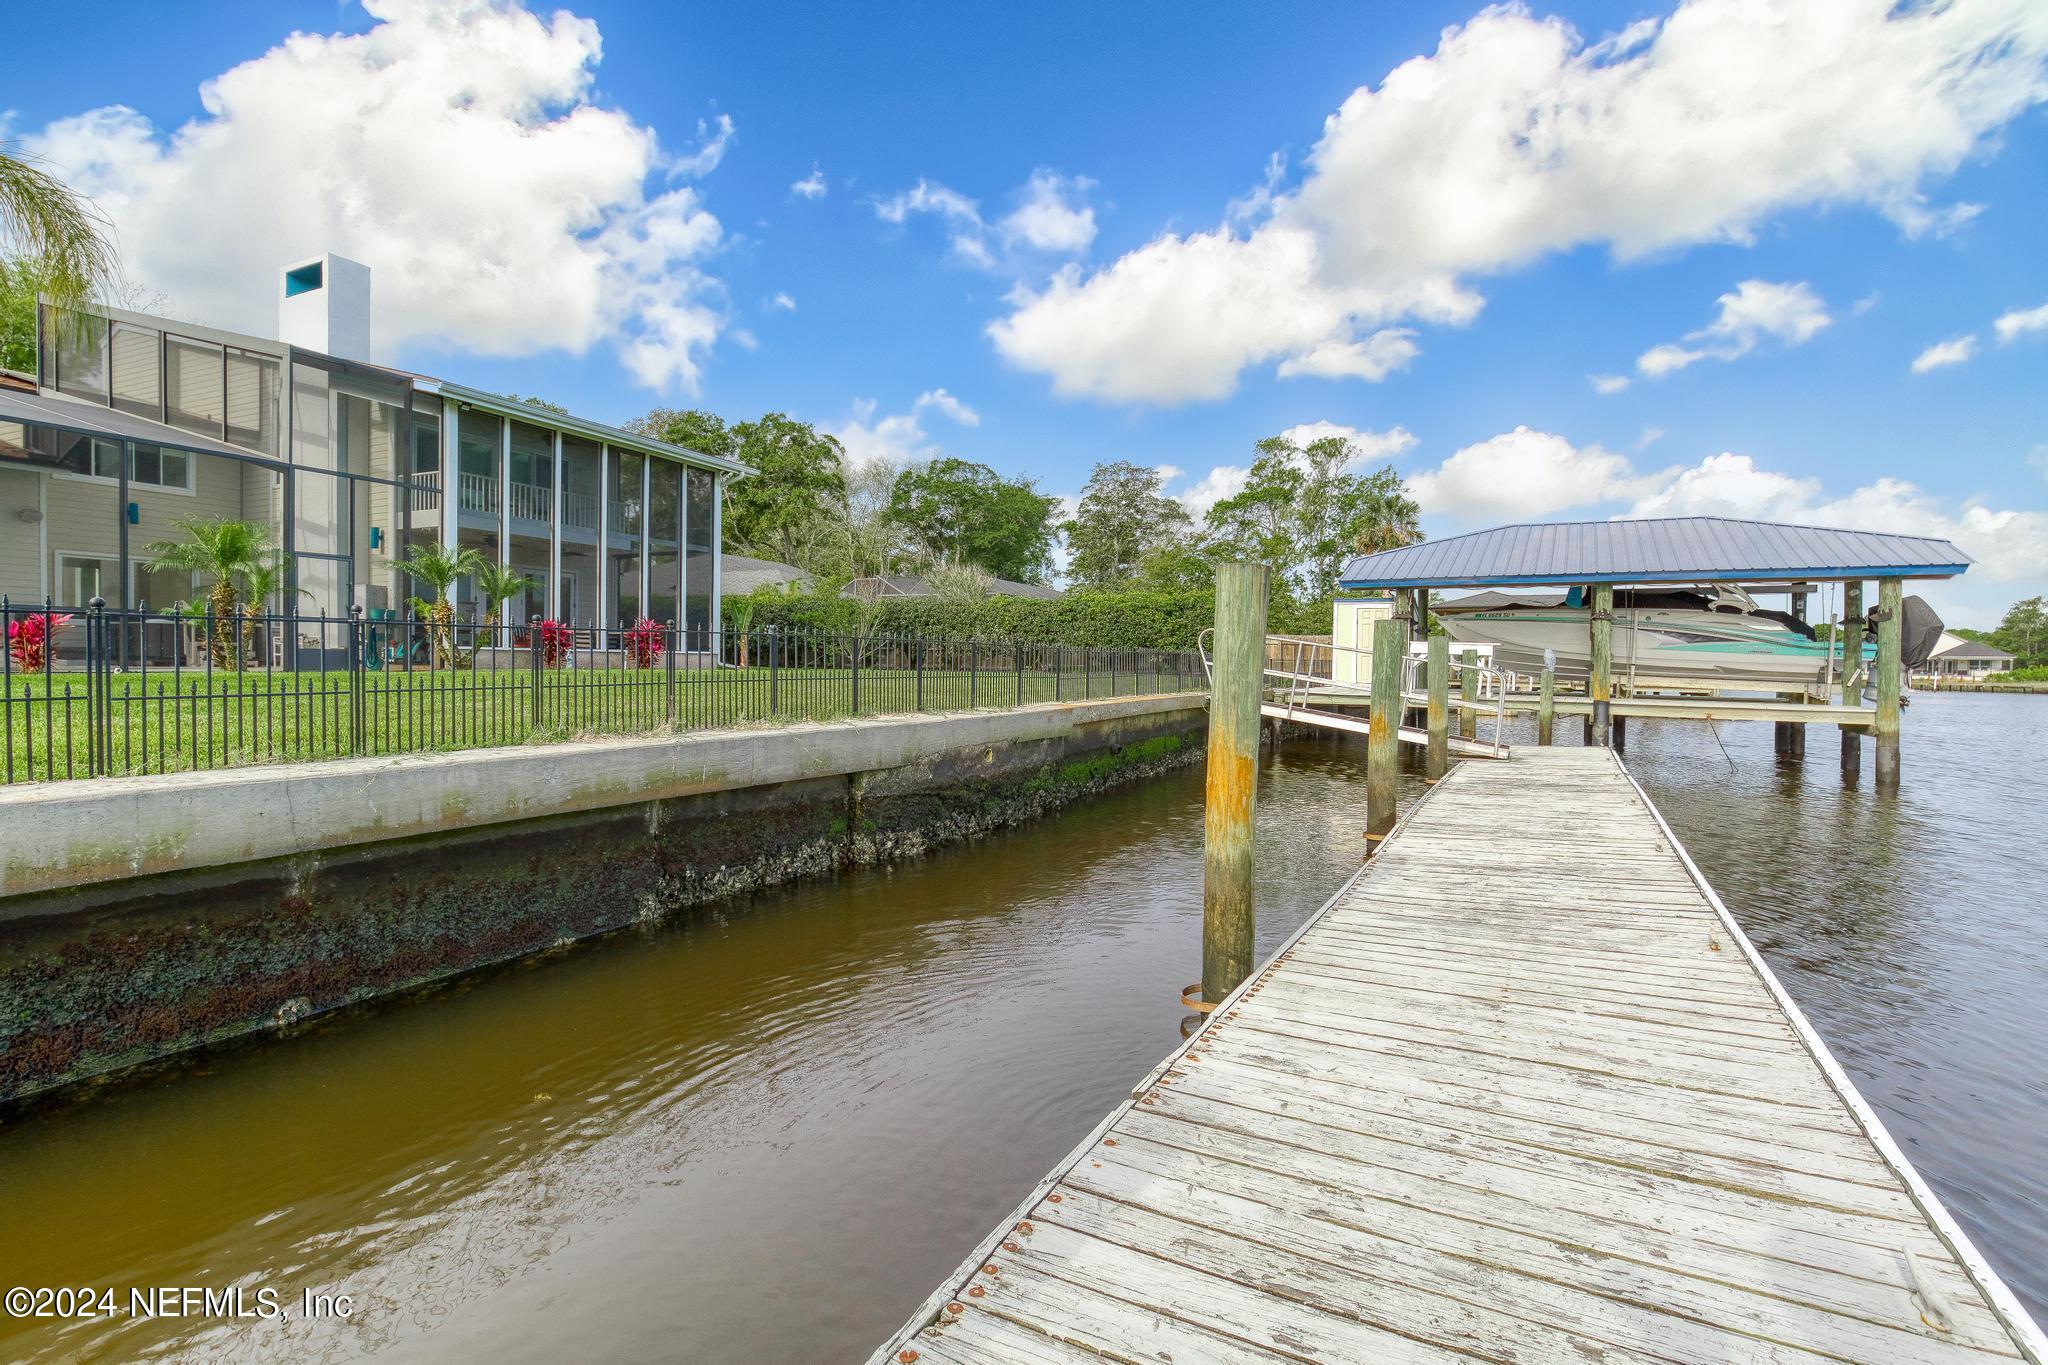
x: 1726, y: 649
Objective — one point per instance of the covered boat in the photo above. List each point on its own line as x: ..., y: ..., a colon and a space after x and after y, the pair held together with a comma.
x: 1715, y: 634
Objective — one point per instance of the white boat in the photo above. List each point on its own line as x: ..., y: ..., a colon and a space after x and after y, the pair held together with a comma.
x: 1712, y: 634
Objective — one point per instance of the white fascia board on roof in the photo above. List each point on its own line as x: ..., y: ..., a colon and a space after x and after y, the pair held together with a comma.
x: 502, y: 406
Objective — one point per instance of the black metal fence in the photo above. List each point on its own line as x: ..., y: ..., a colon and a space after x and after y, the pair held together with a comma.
x: 105, y: 691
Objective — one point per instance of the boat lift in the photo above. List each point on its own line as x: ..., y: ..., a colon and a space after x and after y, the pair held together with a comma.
x: 1303, y: 683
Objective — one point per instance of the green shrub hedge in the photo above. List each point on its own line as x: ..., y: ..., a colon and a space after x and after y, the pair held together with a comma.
x: 1113, y: 620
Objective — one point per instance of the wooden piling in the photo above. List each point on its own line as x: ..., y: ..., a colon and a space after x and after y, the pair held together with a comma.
x: 1546, y: 707
x: 1620, y: 724
x: 1437, y: 758
x: 1600, y: 687
x: 1886, y: 729
x: 1852, y: 677
x: 1383, y: 738
x: 1238, y: 651
x: 1468, y: 691
x: 1404, y: 617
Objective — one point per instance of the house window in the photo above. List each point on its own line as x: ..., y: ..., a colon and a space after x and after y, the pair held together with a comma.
x: 80, y: 578
x: 138, y: 379
x: 160, y: 467
x: 152, y: 467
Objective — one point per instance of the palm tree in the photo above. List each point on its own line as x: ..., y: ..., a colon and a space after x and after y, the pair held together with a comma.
x: 261, y: 581
x: 439, y: 569
x: 225, y: 551
x: 739, y: 618
x: 60, y: 242
x: 496, y: 584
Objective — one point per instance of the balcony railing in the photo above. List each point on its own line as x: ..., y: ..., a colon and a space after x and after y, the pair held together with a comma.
x: 579, y: 509
x: 531, y: 502
x: 479, y: 493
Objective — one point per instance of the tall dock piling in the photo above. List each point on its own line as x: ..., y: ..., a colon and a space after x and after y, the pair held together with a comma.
x: 1886, y: 729
x: 1438, y: 759
x: 1546, y: 708
x: 1383, y: 737
x: 1237, y: 678
x: 1600, y: 687
x: 1852, y: 677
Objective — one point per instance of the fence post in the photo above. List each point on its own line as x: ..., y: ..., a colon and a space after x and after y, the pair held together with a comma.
x: 918, y: 653
x: 1017, y: 646
x: 1059, y: 658
x: 672, y: 640
x: 95, y: 646
x: 535, y: 664
x: 853, y: 655
x: 973, y: 674
x: 356, y: 680
x: 1232, y: 789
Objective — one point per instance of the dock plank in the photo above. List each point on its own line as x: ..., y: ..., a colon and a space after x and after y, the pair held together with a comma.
x: 1523, y: 1091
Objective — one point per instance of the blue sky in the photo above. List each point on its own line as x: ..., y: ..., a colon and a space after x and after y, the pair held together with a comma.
x: 555, y: 203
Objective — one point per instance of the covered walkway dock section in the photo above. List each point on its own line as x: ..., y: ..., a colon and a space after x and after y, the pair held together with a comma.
x: 1658, y: 617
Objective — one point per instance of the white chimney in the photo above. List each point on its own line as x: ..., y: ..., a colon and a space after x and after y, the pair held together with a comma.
x: 324, y: 305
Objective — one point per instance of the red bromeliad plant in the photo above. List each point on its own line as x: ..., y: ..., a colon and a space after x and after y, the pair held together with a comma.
x: 643, y: 643
x: 556, y: 642
x: 28, y: 639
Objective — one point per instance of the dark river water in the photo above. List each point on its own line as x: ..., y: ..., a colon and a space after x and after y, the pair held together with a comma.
x: 766, y: 1134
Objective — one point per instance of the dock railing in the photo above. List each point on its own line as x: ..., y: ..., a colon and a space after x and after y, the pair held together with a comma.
x: 1315, y: 682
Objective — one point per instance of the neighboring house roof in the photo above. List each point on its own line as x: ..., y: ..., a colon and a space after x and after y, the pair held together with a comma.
x: 741, y: 574
x: 1655, y: 550
x: 911, y: 585
x: 1955, y: 647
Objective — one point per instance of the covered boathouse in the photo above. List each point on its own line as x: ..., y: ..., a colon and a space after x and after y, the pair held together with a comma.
x: 1589, y: 560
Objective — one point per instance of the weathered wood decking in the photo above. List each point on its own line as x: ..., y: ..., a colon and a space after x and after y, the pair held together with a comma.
x: 1521, y: 1092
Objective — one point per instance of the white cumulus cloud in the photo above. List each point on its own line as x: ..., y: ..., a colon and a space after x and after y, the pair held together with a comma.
x: 1942, y: 354
x: 457, y: 149
x: 811, y: 186
x: 783, y: 301
x: 1754, y: 310
x: 1522, y: 475
x: 898, y: 438
x: 1223, y: 481
x: 1048, y: 219
x: 2021, y: 322
x: 1605, y: 384
x: 1369, y: 447
x: 1515, y: 139
x: 2009, y: 545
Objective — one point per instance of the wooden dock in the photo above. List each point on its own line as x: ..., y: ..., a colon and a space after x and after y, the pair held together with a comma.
x: 1522, y: 1091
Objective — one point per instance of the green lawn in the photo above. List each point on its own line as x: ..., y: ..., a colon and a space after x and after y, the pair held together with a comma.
x: 163, y: 722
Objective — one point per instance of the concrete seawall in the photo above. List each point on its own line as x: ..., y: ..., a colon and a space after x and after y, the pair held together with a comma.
x: 145, y: 916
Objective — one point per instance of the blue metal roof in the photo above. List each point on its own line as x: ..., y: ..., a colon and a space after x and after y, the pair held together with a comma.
x: 1655, y: 550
